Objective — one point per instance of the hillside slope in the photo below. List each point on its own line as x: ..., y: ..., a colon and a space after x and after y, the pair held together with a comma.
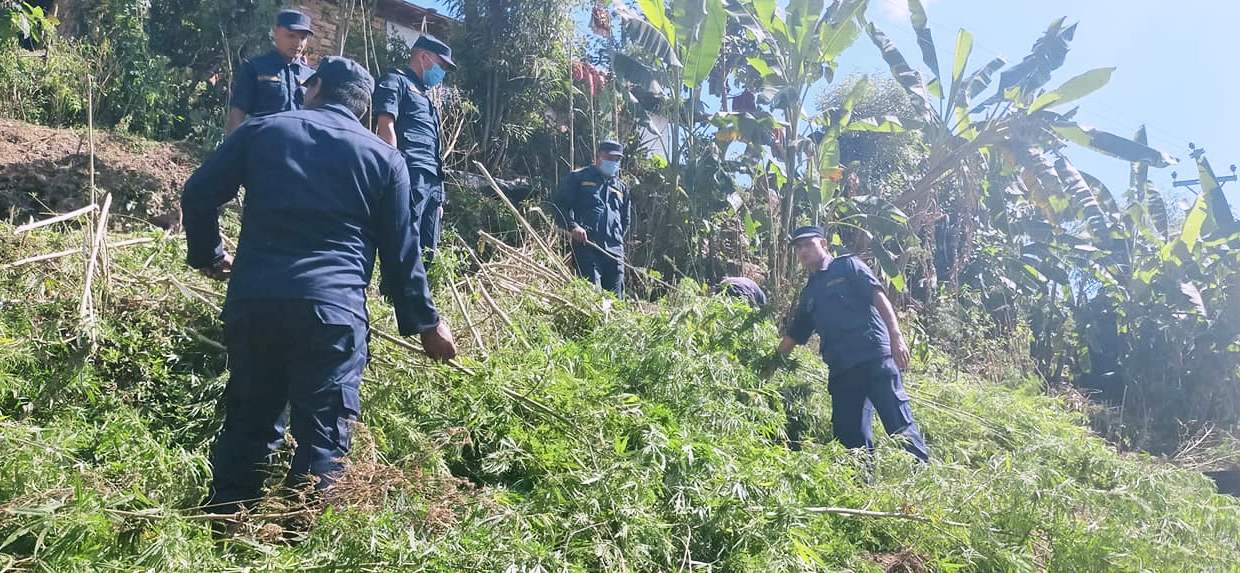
x: 577, y: 435
x: 44, y: 170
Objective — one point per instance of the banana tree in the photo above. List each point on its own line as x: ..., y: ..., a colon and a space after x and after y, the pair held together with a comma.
x: 876, y: 224
x: 799, y: 44
x: 1016, y: 125
x: 685, y: 37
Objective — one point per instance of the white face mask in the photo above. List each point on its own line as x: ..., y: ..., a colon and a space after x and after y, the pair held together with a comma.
x: 609, y: 167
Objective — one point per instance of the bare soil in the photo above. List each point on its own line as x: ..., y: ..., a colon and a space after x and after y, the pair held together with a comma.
x: 45, y: 170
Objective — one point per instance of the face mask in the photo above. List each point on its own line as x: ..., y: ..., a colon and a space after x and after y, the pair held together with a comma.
x: 433, y: 76
x: 609, y: 167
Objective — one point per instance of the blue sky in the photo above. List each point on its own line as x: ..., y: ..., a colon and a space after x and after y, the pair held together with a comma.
x: 1176, y: 69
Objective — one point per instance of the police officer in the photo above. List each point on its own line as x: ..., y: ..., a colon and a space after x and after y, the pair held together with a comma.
x: 743, y: 288
x: 593, y: 205
x: 323, y: 195
x: 860, y: 341
x: 273, y: 82
x: 406, y: 119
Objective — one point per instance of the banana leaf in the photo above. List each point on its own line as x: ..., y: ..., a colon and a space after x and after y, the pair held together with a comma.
x: 1084, y: 202
x: 700, y: 38
x: 1140, y: 173
x: 1220, y: 213
x: 838, y: 28
x: 1156, y: 208
x: 1073, y: 89
x: 906, y: 76
x: 925, y: 40
x: 641, y: 33
x: 1111, y: 144
x: 1035, y: 69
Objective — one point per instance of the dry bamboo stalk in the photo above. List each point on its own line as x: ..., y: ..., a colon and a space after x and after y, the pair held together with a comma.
x: 53, y: 220
x: 157, y: 513
x: 490, y: 301
x: 495, y: 306
x: 50, y: 256
x: 401, y: 342
x: 608, y: 254
x: 518, y: 254
x: 469, y: 322
x: 90, y: 133
x: 520, y: 218
x: 192, y: 293
x: 87, y: 308
x: 846, y: 511
x: 526, y: 289
x: 37, y: 258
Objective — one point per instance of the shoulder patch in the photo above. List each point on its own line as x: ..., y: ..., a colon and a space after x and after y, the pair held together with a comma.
x: 268, y: 78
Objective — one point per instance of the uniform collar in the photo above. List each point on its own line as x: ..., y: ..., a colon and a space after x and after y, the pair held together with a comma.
x: 413, y: 76
x: 277, y: 56
x: 340, y: 109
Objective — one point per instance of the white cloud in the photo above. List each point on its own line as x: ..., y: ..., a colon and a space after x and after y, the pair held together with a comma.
x: 897, y: 10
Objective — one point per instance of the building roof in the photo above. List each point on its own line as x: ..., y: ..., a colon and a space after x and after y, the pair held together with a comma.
x: 408, y: 11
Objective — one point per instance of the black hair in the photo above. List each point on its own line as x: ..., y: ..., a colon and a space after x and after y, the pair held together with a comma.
x: 352, y: 95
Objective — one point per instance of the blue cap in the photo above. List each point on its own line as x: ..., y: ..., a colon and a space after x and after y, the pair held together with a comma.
x: 435, y: 46
x: 335, y: 70
x: 805, y: 233
x: 294, y: 20
x: 611, y: 146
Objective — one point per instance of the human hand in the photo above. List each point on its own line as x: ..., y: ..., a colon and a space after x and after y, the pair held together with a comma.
x: 438, y: 342
x: 578, y: 235
x: 900, y: 352
x: 220, y: 271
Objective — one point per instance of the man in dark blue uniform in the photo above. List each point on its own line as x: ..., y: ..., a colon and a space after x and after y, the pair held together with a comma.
x: 273, y: 82
x: 860, y: 341
x: 594, y: 206
x: 743, y: 288
x: 406, y: 119
x: 323, y: 195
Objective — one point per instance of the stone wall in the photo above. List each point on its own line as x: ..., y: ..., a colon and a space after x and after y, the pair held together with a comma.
x: 327, y: 16
x: 329, y: 19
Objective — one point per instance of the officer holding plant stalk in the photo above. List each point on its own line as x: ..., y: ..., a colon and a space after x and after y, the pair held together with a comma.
x: 861, y: 342
x: 324, y: 196
x: 594, y: 206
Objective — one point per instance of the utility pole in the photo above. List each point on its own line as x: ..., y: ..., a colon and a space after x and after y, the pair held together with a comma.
x: 1211, y: 188
x: 1198, y: 152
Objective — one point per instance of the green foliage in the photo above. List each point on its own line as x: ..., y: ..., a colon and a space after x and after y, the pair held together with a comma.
x: 47, y: 89
x: 22, y: 21
x: 670, y: 448
x: 158, y: 67
x: 513, y: 57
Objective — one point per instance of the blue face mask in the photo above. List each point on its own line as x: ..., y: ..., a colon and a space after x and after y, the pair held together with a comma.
x: 609, y: 167
x: 433, y: 76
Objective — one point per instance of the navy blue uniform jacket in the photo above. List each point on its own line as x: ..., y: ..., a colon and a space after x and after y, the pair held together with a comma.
x: 599, y: 204
x: 838, y: 304
x: 402, y: 95
x: 267, y: 84
x: 323, y: 194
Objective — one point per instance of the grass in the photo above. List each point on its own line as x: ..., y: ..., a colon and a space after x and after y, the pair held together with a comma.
x: 593, y: 437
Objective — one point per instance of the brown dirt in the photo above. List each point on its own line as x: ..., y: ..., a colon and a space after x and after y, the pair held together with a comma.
x: 45, y: 170
x: 901, y: 562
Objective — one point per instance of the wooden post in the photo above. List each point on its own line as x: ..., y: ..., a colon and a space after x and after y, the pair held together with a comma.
x: 90, y: 132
